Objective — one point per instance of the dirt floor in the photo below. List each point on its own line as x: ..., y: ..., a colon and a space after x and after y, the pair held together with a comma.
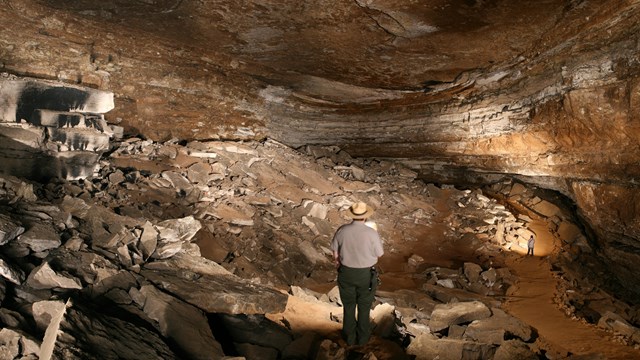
x: 531, y: 301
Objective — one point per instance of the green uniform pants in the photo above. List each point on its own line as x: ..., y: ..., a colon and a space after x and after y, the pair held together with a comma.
x: 354, y: 284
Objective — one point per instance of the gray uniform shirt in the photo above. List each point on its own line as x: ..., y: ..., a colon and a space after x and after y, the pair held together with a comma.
x: 358, y: 245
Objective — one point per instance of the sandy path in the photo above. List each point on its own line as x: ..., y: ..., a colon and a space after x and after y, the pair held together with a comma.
x: 532, y: 303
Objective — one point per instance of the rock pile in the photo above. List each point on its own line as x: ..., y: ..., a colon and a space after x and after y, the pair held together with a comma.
x: 187, y: 250
x: 457, y: 325
x: 96, y: 270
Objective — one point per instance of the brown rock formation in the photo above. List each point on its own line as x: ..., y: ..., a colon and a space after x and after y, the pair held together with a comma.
x: 461, y: 91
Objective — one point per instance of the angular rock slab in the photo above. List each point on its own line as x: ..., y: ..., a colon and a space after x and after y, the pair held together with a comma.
x: 55, y: 312
x: 189, y: 263
x: 41, y: 236
x: 9, y: 229
x: 256, y: 330
x: 515, y: 349
x: 428, y: 347
x: 495, y: 329
x: 457, y: 295
x: 45, y: 311
x: 13, y: 189
x: 183, y: 323
x: 86, y: 266
x: 11, y: 272
x: 16, y: 345
x: 219, y: 294
x: 44, y: 277
x: 445, y: 315
x: 612, y: 321
x: 90, y: 334
x: 184, y: 229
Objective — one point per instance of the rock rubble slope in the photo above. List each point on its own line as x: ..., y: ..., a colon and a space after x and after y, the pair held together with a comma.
x: 202, y: 249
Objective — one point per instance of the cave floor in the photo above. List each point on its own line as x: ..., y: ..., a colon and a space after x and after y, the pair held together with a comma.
x: 531, y: 300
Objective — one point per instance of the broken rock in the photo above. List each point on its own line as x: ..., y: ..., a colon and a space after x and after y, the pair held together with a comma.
x: 43, y: 277
x: 11, y: 273
x: 181, y: 322
x: 445, y: 315
x: 428, y: 347
x: 41, y: 236
x: 219, y: 294
x: 9, y: 229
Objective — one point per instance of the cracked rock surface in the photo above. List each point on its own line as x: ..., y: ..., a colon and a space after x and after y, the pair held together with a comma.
x: 134, y: 263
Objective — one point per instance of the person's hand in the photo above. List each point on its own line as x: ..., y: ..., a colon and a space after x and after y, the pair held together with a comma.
x: 337, y: 263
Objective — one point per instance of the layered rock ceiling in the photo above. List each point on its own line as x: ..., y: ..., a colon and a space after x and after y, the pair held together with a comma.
x: 462, y: 91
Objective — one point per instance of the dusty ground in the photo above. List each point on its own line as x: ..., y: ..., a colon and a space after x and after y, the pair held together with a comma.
x: 532, y: 303
x: 531, y: 300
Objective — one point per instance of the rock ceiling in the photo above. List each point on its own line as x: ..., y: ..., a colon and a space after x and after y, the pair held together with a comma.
x: 470, y: 83
x: 459, y: 90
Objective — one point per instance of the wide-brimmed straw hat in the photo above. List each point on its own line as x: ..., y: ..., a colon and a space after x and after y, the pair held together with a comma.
x: 359, y: 211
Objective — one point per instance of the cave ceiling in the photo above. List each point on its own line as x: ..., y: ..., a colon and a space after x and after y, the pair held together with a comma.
x: 393, y: 45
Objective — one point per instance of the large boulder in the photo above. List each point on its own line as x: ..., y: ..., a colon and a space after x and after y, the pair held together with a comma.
x: 219, y: 294
x: 515, y: 349
x: 445, y: 315
x: 428, y: 347
x: 497, y: 328
x: 107, y: 334
x: 184, y: 324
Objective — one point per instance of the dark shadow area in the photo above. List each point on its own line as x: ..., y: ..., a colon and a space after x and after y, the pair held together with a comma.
x: 35, y: 96
x: 233, y: 331
x: 20, y: 160
x: 118, y: 326
x: 222, y: 335
x: 164, y: 18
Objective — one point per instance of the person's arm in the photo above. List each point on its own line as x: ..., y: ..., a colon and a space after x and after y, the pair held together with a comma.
x: 335, y: 247
x: 378, y: 249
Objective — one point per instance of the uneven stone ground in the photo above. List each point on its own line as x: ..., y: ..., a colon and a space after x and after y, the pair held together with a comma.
x: 532, y: 299
x: 261, y: 214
